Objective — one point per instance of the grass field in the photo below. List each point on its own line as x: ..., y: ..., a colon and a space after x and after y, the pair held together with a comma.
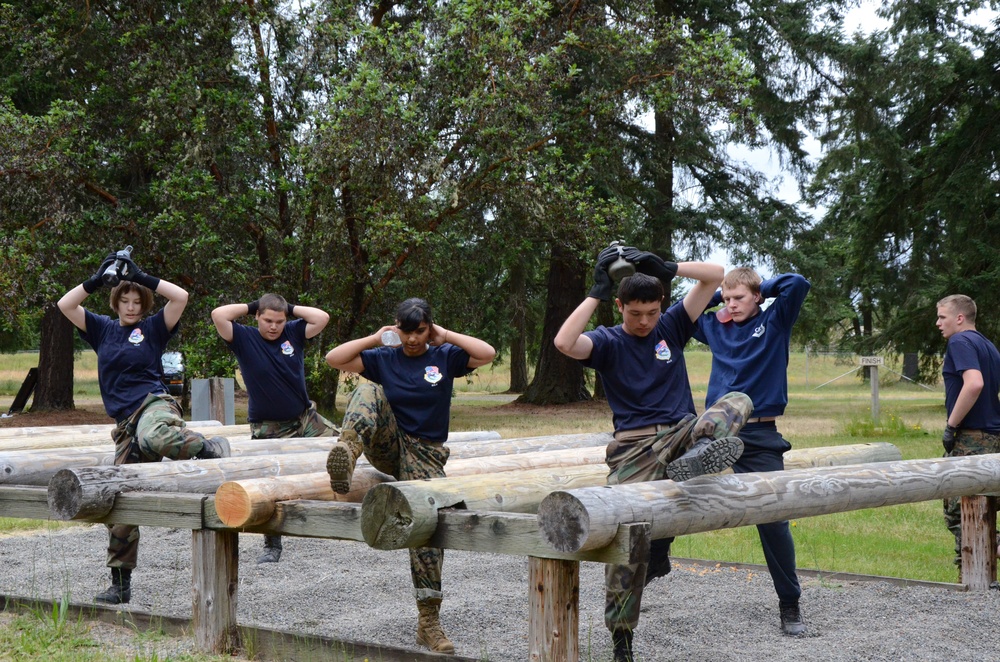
x: 826, y: 407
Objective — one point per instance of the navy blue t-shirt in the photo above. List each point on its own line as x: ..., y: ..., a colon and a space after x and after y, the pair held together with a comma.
x: 752, y: 356
x: 418, y: 388
x: 128, y: 360
x: 970, y: 350
x: 645, y: 379
x: 273, y: 370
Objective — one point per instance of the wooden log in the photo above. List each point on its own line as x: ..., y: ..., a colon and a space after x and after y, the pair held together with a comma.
x: 588, y: 518
x: 979, y: 541
x: 553, y: 610
x: 61, y: 440
x: 833, y: 456
x: 89, y: 492
x: 215, y: 578
x: 67, y: 430
x: 251, y: 502
x: 404, y: 514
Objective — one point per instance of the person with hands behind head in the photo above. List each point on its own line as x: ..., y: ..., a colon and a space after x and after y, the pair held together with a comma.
x: 149, y: 424
x: 971, y: 374
x: 658, y: 433
x: 750, y: 354
x: 400, y: 422
x: 272, y: 362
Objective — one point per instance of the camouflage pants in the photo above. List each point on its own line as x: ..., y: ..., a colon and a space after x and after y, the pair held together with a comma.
x: 968, y: 442
x: 405, y: 457
x: 310, y: 424
x: 643, y: 457
x: 154, y: 431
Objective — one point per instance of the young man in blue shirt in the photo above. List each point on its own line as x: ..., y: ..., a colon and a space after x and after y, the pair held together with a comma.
x: 971, y: 373
x: 271, y: 359
x: 750, y: 354
x: 658, y: 433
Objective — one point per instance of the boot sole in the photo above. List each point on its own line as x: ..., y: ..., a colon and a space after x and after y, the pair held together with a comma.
x: 340, y: 467
x: 448, y: 649
x: 713, y: 458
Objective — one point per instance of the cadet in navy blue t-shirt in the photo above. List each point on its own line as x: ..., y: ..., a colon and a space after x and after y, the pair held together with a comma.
x: 272, y: 361
x: 971, y: 373
x: 129, y: 371
x: 658, y: 433
x: 750, y: 354
x: 400, y: 422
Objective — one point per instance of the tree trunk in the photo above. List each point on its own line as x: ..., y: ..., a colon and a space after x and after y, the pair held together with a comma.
x: 911, y: 366
x: 558, y: 378
x: 55, y: 362
x: 518, y: 341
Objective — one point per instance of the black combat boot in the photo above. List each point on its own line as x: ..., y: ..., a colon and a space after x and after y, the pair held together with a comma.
x: 705, y: 456
x: 214, y: 448
x: 791, y: 619
x: 622, y: 640
x: 272, y: 550
x: 120, y: 591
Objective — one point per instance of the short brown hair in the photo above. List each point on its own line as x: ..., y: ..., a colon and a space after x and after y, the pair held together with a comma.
x: 743, y: 276
x: 274, y: 302
x: 961, y: 304
x: 124, y: 287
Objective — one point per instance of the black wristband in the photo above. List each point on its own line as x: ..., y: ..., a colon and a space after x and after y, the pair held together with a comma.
x: 289, y: 310
x: 144, y: 279
x: 253, y: 307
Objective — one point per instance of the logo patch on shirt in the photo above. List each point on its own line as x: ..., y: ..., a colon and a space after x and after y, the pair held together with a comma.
x: 432, y: 374
x: 663, y: 351
x: 759, y: 331
x: 287, y: 349
x: 136, y: 336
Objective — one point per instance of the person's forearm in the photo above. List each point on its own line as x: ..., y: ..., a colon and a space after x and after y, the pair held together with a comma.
x: 963, y: 404
x: 345, y: 353
x: 705, y: 272
x: 568, y: 337
x: 480, y: 350
x: 230, y: 312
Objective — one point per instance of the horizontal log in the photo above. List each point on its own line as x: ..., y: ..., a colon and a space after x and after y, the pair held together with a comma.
x: 588, y: 518
x: 832, y: 456
x: 251, y: 502
x: 99, y: 428
x: 25, y: 443
x: 404, y: 514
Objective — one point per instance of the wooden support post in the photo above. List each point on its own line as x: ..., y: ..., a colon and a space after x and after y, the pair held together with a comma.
x: 215, y: 577
x: 553, y: 610
x: 979, y: 541
x: 217, y: 399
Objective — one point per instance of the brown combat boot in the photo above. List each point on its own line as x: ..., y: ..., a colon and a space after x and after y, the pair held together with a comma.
x: 429, y: 632
x: 341, y: 460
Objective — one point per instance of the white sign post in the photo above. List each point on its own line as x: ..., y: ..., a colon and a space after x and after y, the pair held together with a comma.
x: 873, y: 362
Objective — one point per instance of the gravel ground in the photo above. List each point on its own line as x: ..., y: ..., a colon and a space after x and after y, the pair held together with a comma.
x: 345, y: 590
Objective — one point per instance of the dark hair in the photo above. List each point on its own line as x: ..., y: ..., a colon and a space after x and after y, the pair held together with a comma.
x: 412, y: 313
x: 640, y: 287
x: 274, y: 302
x: 124, y: 287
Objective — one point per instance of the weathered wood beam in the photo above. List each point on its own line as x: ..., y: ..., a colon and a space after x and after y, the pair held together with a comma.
x: 215, y: 579
x: 98, y: 428
x: 404, y: 514
x: 588, y: 518
x: 979, y: 540
x: 553, y: 610
x: 65, y: 440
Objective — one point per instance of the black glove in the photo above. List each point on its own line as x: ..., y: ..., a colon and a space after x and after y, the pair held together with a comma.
x: 602, y: 282
x: 948, y: 438
x: 654, y: 265
x: 95, y: 282
x: 134, y: 274
x: 253, y: 307
x: 607, y: 256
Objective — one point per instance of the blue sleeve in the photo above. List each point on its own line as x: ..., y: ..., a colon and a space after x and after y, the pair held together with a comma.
x: 296, y: 330
x: 963, y: 354
x: 370, y: 360
x: 790, y: 291
x: 458, y: 361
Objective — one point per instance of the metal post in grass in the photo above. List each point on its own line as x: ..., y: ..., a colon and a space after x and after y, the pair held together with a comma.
x: 873, y: 362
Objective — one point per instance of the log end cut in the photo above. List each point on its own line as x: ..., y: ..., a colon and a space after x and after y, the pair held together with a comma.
x: 65, y: 495
x: 233, y: 505
x: 564, y: 522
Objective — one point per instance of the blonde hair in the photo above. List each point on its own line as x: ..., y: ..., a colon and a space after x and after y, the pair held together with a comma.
x: 962, y: 305
x: 743, y: 276
x: 124, y: 287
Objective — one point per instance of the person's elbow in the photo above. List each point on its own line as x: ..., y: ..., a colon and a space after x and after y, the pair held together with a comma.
x: 566, y: 345
x: 716, y: 273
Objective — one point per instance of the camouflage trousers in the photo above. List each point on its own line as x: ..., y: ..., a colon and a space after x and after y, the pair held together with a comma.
x: 643, y: 457
x: 405, y: 457
x: 154, y: 431
x: 967, y: 442
x: 310, y: 424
